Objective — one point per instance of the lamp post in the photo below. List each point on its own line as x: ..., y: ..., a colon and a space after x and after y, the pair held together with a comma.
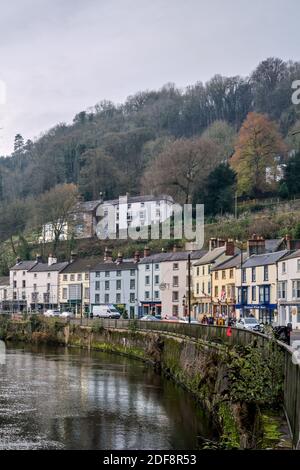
x: 239, y: 246
x: 184, y: 305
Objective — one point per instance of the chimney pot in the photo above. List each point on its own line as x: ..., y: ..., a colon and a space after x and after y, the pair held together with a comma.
x: 137, y: 257
x: 146, y: 251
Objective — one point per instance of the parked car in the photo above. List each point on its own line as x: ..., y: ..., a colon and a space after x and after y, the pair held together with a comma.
x: 52, y: 313
x: 67, y: 315
x: 249, y: 323
x: 171, y: 319
x: 149, y: 318
x: 106, y: 311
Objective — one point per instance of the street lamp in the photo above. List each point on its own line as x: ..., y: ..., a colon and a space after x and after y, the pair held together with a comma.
x: 239, y: 246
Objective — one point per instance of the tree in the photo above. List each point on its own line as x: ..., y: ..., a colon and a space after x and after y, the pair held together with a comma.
x: 56, y: 208
x: 223, y: 136
x: 291, y: 182
x: 99, y: 173
x: 258, y: 146
x: 217, y: 194
x: 180, y: 167
x: 18, y: 143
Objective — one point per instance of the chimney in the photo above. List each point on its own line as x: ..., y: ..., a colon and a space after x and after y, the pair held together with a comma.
x: 38, y: 258
x: 229, y: 248
x: 212, y: 244
x: 73, y: 256
x: 146, y: 251
x: 119, y: 258
x: 220, y: 242
x: 51, y: 260
x: 101, y: 197
x: 175, y: 247
x: 107, y: 255
x: 18, y: 260
x: 137, y: 257
x: 288, y: 242
x: 256, y: 245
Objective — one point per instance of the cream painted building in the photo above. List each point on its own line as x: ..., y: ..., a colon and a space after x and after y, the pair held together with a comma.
x: 219, y: 252
x: 174, y: 282
x: 257, y: 286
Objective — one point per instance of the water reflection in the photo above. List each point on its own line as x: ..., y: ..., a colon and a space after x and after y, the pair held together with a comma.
x: 73, y: 399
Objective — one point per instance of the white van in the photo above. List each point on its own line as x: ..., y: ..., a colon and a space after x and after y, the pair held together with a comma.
x: 105, y: 311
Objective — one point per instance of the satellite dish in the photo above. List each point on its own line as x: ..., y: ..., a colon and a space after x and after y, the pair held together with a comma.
x: 163, y: 286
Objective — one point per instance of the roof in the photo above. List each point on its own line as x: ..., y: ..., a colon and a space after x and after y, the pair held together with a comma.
x: 24, y: 266
x: 264, y: 259
x: 45, y: 267
x: 291, y: 255
x: 145, y: 198
x: 211, y: 256
x: 4, y: 281
x: 173, y: 256
x: 87, y: 206
x: 233, y: 262
x: 113, y: 266
x: 81, y: 265
x: 273, y: 244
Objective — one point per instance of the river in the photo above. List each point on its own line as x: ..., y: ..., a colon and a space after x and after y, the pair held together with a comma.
x: 58, y: 398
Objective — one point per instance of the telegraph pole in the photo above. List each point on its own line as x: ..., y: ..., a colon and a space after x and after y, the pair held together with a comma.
x: 189, y: 286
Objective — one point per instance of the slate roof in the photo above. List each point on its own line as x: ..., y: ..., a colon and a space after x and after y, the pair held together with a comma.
x: 4, y: 281
x: 124, y: 266
x: 24, y: 266
x: 211, y: 256
x: 233, y: 262
x: 264, y: 259
x: 273, y: 244
x: 146, y: 198
x: 291, y: 255
x: 44, y: 267
x: 81, y: 265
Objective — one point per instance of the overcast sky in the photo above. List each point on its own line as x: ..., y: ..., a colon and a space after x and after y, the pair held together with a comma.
x: 59, y: 57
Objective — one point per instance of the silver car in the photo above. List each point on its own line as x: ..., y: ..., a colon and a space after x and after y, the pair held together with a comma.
x: 248, y: 323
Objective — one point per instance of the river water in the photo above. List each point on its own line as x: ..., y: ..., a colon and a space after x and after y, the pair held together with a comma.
x: 57, y: 398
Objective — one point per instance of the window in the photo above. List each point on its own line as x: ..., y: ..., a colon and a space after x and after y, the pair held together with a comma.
x: 243, y: 295
x: 175, y: 296
x: 15, y: 296
x: 97, y: 285
x: 23, y: 283
x: 208, y: 288
x: 35, y: 275
x: 97, y: 273
x: 48, y: 287
x: 156, y: 280
x: 15, y: 273
x: 86, y: 276
x: 142, y: 214
x: 197, y: 288
x: 253, y: 275
x: 106, y: 298
x: 203, y: 287
x: 244, y: 275
x: 132, y: 284
x: 106, y: 285
x: 296, y: 289
x: 253, y: 294
x: 175, y: 266
x: 49, y: 275
x: 118, y: 298
x: 231, y: 273
x: 132, y: 272
x: 86, y: 293
x: 72, y: 277
x: 24, y: 272
x: 147, y: 280
x: 147, y: 295
x: 65, y: 293
x: 298, y: 314
x: 156, y: 267
x: 107, y: 273
x: 175, y: 310
x: 203, y: 270
x: 282, y: 289
x: 216, y: 275
x: 97, y: 298
x: 147, y: 267
x: 119, y: 273
x: 175, y: 281
x: 132, y: 298
x: 65, y: 277
x: 266, y: 273
x: 198, y: 271
x: 298, y: 265
x: 79, y: 277
x: 223, y: 274
x: 34, y: 286
x: 118, y: 284
x: 209, y: 269
x: 264, y: 294
x: 23, y: 295
x: 15, y: 284
x: 216, y: 291
x: 283, y: 268
x: 156, y: 294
